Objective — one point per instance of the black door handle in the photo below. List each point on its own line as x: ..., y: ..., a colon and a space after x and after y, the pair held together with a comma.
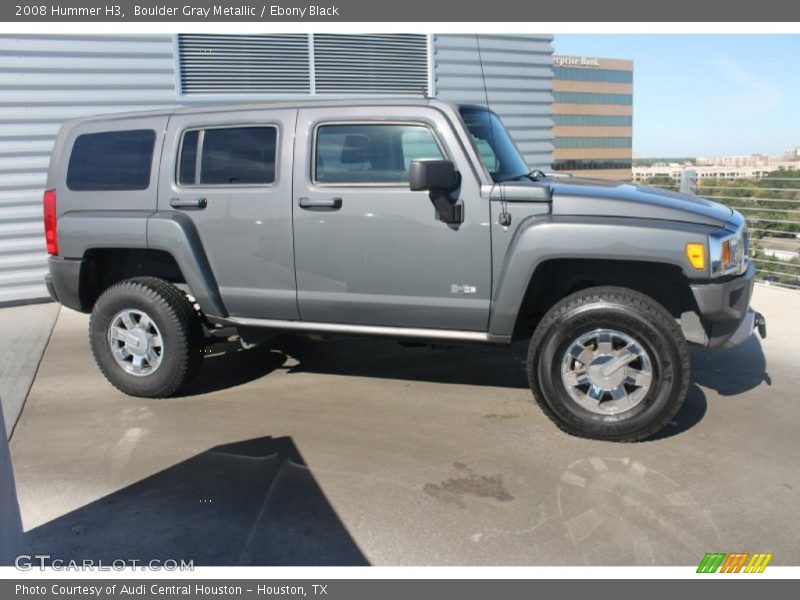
x: 188, y: 203
x: 334, y: 203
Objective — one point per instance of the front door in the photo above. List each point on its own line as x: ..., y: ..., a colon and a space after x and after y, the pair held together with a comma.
x: 368, y: 250
x: 231, y: 176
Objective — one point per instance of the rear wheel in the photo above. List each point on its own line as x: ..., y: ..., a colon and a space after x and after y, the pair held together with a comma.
x: 609, y: 363
x: 146, y: 337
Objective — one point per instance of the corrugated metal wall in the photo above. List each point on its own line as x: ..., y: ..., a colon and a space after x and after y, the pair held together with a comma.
x: 250, y: 64
x: 519, y: 80
x: 371, y: 64
x: 321, y: 63
x: 45, y: 80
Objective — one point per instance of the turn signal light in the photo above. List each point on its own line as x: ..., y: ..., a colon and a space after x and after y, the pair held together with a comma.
x: 726, y: 254
x: 50, y: 235
x: 696, y: 253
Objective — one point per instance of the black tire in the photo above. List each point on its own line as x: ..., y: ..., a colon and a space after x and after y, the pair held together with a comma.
x: 177, y: 321
x: 633, y: 314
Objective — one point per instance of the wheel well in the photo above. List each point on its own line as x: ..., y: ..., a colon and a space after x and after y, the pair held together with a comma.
x: 103, y: 267
x: 558, y: 278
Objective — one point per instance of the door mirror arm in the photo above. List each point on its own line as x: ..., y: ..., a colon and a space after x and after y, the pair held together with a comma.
x: 449, y: 210
x: 440, y: 179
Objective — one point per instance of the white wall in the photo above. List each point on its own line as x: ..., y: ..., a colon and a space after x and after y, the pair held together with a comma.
x: 519, y: 84
x: 47, y: 79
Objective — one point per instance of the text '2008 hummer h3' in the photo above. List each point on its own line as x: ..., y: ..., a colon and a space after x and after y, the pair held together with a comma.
x: 410, y: 219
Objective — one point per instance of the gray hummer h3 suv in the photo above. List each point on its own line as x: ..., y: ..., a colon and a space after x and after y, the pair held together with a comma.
x: 411, y: 219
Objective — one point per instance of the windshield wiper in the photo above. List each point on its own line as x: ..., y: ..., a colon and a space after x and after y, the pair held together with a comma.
x: 534, y: 175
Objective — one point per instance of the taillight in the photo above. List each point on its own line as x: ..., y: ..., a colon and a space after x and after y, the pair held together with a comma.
x: 50, y: 234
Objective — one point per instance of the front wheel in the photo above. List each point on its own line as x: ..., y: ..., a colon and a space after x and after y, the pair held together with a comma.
x: 609, y: 363
x: 146, y: 337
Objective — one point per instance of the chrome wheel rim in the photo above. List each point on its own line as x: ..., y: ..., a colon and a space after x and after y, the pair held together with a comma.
x: 607, y: 372
x: 135, y: 341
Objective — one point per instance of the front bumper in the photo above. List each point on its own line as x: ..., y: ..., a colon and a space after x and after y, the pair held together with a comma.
x: 724, y: 317
x: 752, y: 321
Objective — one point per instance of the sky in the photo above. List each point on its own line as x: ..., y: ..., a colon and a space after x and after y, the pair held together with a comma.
x: 706, y: 95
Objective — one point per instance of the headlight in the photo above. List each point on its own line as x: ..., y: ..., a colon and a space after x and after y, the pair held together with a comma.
x: 727, y: 251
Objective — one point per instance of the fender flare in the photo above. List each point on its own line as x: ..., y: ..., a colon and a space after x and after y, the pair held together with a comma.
x: 547, y: 237
x: 176, y: 234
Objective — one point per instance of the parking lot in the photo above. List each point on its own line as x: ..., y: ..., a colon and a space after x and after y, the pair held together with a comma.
x: 367, y: 452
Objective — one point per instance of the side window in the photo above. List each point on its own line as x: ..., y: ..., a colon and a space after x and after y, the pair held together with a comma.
x: 188, y: 161
x: 112, y: 160
x: 228, y: 156
x: 370, y: 153
x: 418, y: 143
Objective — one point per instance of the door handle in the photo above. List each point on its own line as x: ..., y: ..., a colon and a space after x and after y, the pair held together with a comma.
x: 188, y: 203
x: 334, y: 203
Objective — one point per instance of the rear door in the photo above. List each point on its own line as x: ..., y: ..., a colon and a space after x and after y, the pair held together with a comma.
x: 369, y: 250
x: 230, y: 174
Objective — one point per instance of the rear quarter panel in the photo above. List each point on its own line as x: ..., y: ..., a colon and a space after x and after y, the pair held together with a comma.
x: 107, y: 218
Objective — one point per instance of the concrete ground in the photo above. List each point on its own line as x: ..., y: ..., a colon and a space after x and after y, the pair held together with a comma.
x: 366, y: 452
x: 26, y: 330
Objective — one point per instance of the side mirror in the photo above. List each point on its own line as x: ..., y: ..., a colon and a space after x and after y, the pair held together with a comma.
x: 438, y: 178
x: 432, y: 175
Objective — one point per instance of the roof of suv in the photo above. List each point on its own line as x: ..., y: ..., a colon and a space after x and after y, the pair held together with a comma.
x: 271, y: 104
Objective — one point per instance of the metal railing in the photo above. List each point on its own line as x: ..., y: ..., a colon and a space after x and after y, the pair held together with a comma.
x: 771, y: 206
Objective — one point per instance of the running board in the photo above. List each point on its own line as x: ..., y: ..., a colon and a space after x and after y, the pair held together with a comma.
x: 418, y: 333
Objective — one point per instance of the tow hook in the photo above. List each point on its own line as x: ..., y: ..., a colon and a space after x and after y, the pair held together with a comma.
x: 760, y: 324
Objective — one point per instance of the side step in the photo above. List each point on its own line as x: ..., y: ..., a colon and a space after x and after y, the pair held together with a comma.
x: 417, y: 333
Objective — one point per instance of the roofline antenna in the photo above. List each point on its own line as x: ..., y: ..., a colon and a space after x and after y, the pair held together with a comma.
x: 504, y: 218
x: 483, y: 75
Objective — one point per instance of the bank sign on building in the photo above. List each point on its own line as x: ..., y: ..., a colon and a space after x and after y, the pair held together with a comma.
x: 48, y: 79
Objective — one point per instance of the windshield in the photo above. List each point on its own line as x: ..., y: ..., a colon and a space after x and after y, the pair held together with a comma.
x: 494, y: 145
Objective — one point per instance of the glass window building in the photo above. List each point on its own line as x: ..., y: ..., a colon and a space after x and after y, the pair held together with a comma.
x: 593, y: 116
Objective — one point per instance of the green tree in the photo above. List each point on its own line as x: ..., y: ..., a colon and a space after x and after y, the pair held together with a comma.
x: 772, y: 208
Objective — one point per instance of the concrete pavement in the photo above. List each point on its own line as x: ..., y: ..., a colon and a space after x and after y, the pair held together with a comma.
x: 26, y: 330
x: 367, y: 452
x: 11, y: 537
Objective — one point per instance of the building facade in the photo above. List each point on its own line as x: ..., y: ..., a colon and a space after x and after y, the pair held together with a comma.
x: 47, y: 79
x: 593, y: 116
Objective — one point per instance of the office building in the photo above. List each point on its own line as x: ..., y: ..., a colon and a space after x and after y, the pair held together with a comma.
x: 593, y: 116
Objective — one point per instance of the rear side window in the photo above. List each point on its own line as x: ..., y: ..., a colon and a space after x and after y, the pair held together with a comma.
x: 188, y: 162
x: 113, y: 160
x: 371, y: 154
x: 228, y: 156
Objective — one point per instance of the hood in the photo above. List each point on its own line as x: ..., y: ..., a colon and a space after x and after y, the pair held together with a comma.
x: 597, y: 197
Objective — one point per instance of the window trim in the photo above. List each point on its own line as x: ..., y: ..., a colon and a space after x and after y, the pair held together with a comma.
x: 388, y: 185
x: 201, y: 129
x: 150, y: 169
